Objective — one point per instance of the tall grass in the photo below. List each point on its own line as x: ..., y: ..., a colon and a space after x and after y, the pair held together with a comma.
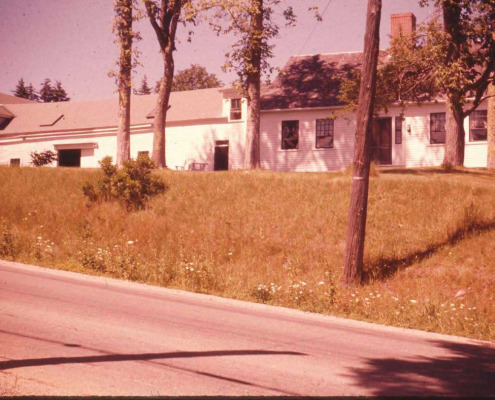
x: 277, y: 238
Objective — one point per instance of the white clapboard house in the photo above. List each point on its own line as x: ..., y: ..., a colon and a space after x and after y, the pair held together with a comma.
x: 206, y: 128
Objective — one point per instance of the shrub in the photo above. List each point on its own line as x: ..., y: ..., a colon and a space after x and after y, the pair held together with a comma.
x: 44, y: 158
x: 132, y: 185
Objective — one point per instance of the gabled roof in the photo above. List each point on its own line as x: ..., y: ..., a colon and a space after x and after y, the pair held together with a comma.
x: 310, y: 81
x: 8, y: 99
x: 203, y: 104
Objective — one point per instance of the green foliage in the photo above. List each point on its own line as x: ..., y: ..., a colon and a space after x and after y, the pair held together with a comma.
x: 144, y: 89
x: 52, y: 93
x: 26, y: 92
x: 194, y: 77
x: 132, y: 185
x: 9, y: 247
x: 44, y: 158
x: 253, y: 42
x: 452, y: 57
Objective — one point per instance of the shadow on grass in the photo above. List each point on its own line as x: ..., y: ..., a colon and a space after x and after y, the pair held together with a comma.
x: 384, y: 268
x: 461, y: 370
x: 436, y: 171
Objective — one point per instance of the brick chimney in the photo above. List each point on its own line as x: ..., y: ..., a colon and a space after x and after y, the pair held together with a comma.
x: 402, y: 24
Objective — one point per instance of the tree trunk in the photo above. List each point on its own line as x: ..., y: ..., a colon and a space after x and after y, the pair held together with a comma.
x: 124, y: 83
x: 353, y: 267
x: 252, y: 147
x: 454, y: 135
x: 491, y: 127
x: 162, y: 106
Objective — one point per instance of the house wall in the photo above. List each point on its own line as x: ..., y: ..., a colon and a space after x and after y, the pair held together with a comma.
x: 414, y: 151
x: 418, y: 152
x: 186, y: 143
x: 307, y: 157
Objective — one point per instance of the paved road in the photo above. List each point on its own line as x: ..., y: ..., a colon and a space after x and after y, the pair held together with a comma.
x: 68, y: 334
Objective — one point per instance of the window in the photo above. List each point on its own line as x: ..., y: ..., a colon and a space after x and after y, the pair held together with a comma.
x: 15, y: 162
x: 324, y: 133
x: 143, y: 154
x: 477, y: 126
x: 235, y: 109
x: 290, y: 135
x: 398, y: 130
x: 437, y: 128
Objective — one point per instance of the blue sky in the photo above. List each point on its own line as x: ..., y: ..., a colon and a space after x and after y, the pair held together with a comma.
x: 72, y: 41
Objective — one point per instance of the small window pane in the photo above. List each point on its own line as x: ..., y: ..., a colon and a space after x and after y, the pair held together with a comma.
x: 324, y: 133
x: 290, y: 135
x: 143, y: 154
x: 477, y: 126
x: 15, y: 162
x: 437, y: 128
x: 235, y: 109
x: 398, y: 130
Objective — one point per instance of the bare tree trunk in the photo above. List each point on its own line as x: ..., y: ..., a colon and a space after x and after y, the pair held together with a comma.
x: 491, y: 127
x: 252, y: 147
x: 124, y: 27
x: 164, y: 19
x: 454, y: 135
x: 353, y: 267
x: 162, y: 106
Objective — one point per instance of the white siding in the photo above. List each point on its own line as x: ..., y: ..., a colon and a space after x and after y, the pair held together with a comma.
x: 307, y: 157
x: 184, y: 145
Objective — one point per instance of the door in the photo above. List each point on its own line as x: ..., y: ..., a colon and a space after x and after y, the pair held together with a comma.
x: 69, y: 158
x: 221, y: 155
x: 381, y: 141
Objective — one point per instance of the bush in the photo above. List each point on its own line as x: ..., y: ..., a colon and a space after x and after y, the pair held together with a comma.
x: 132, y: 185
x: 44, y: 158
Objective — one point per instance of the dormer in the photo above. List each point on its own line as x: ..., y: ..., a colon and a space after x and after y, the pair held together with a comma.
x: 234, y: 105
x: 5, y: 117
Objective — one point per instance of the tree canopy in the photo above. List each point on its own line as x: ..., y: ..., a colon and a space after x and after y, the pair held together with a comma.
x: 48, y: 92
x: 194, y: 77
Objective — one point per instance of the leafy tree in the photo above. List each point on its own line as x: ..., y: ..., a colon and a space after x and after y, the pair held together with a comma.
x: 253, y: 22
x: 44, y: 158
x: 353, y: 266
x: 194, y: 77
x: 464, y: 52
x: 52, y: 94
x: 144, y: 89
x: 164, y: 16
x: 122, y: 28
x: 132, y: 186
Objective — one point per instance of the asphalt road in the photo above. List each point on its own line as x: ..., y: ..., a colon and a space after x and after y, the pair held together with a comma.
x: 63, y: 333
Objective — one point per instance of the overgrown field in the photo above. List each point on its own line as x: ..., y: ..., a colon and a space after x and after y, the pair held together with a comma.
x: 277, y: 238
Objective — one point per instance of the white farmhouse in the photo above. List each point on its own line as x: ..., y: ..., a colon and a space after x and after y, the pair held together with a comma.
x: 206, y: 128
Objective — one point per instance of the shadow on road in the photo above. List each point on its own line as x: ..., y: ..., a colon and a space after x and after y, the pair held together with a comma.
x: 468, y: 370
x: 35, y: 362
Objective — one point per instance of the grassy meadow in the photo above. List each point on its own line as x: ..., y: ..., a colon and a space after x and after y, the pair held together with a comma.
x: 276, y: 238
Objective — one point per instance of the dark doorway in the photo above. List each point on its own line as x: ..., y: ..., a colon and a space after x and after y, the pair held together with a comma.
x: 381, y: 141
x: 221, y: 155
x: 69, y: 158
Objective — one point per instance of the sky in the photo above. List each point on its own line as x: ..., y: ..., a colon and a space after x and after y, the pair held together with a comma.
x: 72, y: 41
